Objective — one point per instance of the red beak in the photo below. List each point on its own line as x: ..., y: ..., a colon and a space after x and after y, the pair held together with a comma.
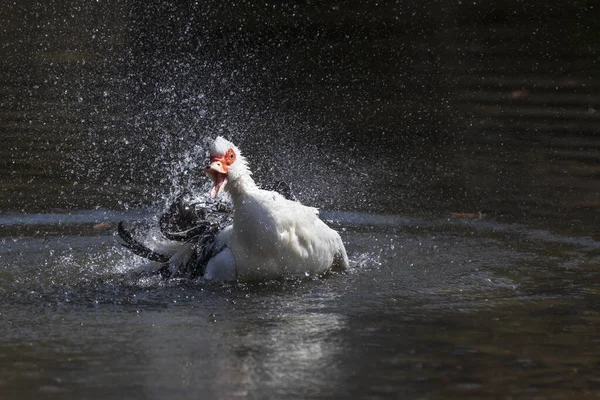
x: 217, y: 170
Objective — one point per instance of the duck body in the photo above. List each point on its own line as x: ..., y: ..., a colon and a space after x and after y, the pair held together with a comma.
x: 269, y: 237
x: 273, y: 237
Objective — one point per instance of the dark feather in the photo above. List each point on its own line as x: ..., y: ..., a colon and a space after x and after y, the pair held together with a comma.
x: 189, y: 234
x: 138, y: 248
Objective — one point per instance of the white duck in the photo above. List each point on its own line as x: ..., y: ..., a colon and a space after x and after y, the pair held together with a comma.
x: 271, y: 236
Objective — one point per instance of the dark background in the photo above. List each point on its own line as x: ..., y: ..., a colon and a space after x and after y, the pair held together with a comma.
x: 399, y: 107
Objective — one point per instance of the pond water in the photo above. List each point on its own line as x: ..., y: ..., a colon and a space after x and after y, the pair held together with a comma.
x: 438, y: 307
x: 453, y: 146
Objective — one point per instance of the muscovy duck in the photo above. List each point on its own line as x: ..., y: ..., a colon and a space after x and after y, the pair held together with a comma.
x: 271, y: 235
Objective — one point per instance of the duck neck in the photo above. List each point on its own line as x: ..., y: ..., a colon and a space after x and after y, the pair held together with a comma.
x: 241, y: 187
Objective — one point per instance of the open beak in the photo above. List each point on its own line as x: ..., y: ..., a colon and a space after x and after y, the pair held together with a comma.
x: 217, y: 170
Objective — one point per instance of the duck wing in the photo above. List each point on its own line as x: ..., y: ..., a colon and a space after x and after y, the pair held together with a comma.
x: 137, y: 247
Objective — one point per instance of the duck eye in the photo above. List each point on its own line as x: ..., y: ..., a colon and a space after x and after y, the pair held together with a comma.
x: 230, y: 155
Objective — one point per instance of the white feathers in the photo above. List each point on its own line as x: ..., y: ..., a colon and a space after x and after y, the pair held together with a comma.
x: 274, y: 237
x: 271, y: 236
x: 220, y: 146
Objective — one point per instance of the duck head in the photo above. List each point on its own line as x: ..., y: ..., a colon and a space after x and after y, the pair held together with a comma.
x: 227, y: 165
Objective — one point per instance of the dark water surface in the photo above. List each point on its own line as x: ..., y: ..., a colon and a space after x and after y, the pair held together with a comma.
x: 430, y: 308
x: 389, y: 116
